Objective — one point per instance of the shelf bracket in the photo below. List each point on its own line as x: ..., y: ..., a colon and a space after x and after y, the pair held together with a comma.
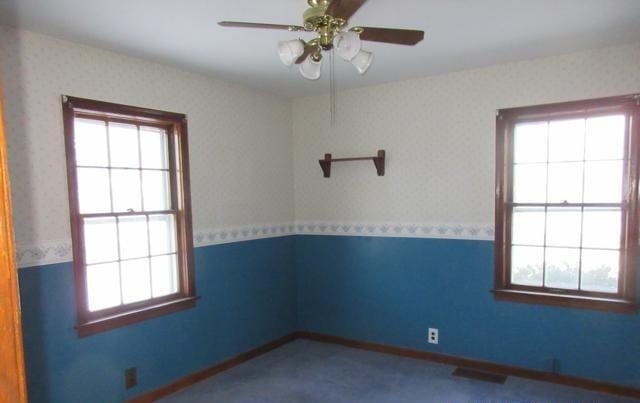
x: 379, y: 162
x: 325, y: 164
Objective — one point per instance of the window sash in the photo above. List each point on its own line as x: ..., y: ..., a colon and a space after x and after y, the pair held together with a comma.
x: 134, y: 213
x: 148, y: 256
x: 580, y: 248
x: 506, y: 122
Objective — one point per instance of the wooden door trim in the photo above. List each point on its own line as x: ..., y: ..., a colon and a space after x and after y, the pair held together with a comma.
x: 12, y: 372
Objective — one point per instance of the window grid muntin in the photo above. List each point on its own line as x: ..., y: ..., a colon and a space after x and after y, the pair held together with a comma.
x: 116, y: 220
x: 123, y: 168
x: 620, y: 206
x: 117, y: 214
x: 135, y: 258
x: 143, y: 206
x: 546, y: 208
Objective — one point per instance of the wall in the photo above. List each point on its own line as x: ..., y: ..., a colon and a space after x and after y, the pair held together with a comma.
x: 241, y: 172
x: 239, y: 139
x: 439, y: 136
x: 247, y: 300
x: 419, y: 250
x: 391, y: 290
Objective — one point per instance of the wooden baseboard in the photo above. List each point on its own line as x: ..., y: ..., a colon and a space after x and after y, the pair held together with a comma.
x: 196, y: 377
x: 485, y: 366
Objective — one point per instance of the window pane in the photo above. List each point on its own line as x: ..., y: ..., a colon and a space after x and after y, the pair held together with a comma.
x: 528, y: 226
x: 605, y: 138
x: 603, y: 182
x: 530, y: 142
x: 162, y: 234
x: 93, y: 190
x: 565, y: 182
x: 91, y: 142
x: 136, y: 284
x: 153, y: 143
x: 123, y: 145
x: 526, y: 265
x: 133, y: 237
x: 600, y: 270
x: 561, y: 268
x: 530, y: 183
x: 601, y: 228
x: 566, y: 140
x: 563, y: 226
x: 103, y: 286
x: 155, y: 185
x: 164, y: 275
x: 100, y: 240
x: 126, y: 190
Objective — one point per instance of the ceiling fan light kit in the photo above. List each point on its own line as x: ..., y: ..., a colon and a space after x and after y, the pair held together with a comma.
x: 290, y: 51
x: 362, y: 61
x: 311, y: 68
x: 347, y: 45
x: 328, y: 19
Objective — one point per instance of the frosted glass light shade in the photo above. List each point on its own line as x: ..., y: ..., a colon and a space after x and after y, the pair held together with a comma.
x: 362, y: 61
x: 348, y: 45
x: 290, y: 51
x: 310, y: 68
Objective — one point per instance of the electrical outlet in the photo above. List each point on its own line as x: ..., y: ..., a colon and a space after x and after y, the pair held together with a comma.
x: 433, y: 335
x: 130, y: 378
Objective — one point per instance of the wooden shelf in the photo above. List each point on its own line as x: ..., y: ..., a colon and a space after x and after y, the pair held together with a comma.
x: 378, y: 161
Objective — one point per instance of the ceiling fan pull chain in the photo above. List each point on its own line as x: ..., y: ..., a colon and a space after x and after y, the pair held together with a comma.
x: 332, y: 86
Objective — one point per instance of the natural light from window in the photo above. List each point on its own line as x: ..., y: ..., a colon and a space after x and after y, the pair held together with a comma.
x: 567, y: 203
x: 124, y: 197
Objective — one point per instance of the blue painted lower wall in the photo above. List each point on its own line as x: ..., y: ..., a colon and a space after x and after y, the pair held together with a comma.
x: 385, y: 290
x: 248, y: 299
x: 391, y: 290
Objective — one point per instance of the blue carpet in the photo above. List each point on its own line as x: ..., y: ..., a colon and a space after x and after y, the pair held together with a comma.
x: 308, y: 372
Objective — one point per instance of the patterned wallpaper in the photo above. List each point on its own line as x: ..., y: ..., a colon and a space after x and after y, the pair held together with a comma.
x: 438, y: 133
x: 239, y: 139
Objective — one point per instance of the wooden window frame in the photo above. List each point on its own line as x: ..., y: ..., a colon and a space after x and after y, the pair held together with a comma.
x: 624, y: 301
x: 175, y: 124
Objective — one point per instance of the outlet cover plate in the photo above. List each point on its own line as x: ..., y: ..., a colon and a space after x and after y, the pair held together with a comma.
x: 130, y: 378
x: 433, y: 336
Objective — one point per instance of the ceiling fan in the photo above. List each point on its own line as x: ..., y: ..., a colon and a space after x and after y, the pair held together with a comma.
x: 329, y: 19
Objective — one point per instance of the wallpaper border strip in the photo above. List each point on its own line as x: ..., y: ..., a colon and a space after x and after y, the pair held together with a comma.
x: 52, y: 252
x: 399, y: 230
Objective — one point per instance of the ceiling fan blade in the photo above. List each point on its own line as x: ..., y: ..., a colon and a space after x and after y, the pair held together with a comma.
x: 390, y: 35
x: 236, y: 24
x: 308, y: 49
x: 344, y: 8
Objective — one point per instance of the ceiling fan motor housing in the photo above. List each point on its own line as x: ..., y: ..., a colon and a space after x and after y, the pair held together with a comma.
x: 316, y: 19
x: 315, y: 16
x: 319, y: 3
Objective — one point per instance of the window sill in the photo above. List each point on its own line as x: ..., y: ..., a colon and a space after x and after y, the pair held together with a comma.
x: 131, y: 317
x: 570, y: 301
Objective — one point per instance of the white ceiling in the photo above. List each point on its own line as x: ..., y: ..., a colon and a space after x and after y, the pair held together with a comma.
x: 460, y: 34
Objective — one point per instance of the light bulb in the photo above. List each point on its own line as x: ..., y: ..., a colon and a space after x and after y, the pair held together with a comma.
x: 362, y: 61
x: 311, y: 68
x: 290, y: 51
x: 347, y: 45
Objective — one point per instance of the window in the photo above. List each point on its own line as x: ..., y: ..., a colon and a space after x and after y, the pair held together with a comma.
x: 567, y: 203
x: 128, y: 178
